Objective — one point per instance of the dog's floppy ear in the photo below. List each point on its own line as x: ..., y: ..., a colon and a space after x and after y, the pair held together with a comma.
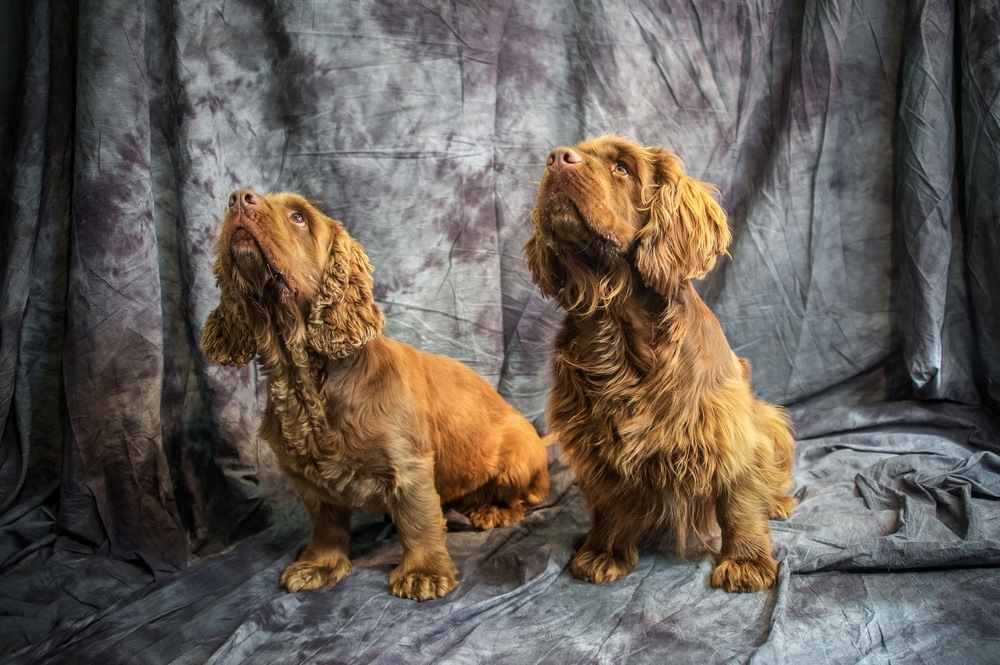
x: 344, y: 315
x: 546, y: 271
x: 227, y: 338
x: 686, y: 230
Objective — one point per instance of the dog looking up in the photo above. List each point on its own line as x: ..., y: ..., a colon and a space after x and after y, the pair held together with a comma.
x: 654, y: 410
x: 355, y: 419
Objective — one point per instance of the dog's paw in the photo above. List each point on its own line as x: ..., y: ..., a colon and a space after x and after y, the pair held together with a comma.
x: 490, y: 516
x: 421, y: 584
x: 304, y: 576
x: 597, y: 567
x: 745, y: 574
x: 781, y: 507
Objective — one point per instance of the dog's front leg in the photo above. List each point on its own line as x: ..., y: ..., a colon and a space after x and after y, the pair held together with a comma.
x: 324, y: 561
x: 745, y: 562
x: 609, y: 550
x: 427, y: 570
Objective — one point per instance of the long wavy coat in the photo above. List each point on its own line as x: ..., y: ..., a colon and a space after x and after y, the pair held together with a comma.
x: 654, y: 410
x: 356, y: 419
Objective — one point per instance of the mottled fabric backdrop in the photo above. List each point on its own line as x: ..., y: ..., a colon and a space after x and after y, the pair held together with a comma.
x: 856, y: 145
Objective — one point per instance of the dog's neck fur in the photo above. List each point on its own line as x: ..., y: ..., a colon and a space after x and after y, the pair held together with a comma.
x: 617, y: 348
x: 634, y: 322
x: 627, y: 359
x: 294, y: 374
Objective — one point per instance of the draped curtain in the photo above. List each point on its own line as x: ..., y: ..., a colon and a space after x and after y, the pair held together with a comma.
x: 856, y: 146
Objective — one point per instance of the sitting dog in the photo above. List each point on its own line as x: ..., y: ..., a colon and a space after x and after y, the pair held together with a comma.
x: 358, y: 420
x: 654, y: 410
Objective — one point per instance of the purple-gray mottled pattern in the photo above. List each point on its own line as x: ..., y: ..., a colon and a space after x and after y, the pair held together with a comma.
x: 856, y: 148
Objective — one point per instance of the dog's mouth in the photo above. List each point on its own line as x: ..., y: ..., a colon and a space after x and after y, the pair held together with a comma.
x: 257, y: 268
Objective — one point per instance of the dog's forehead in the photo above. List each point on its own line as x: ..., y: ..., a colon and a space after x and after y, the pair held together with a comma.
x: 610, y: 147
x: 291, y: 200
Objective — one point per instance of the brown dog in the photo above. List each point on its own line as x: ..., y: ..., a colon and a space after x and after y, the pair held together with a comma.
x: 653, y: 408
x: 358, y: 420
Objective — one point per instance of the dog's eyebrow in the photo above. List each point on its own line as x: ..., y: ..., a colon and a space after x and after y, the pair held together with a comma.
x: 609, y: 152
x: 297, y: 203
x: 617, y: 151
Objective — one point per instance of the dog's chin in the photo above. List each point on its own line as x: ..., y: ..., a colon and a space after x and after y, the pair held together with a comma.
x: 572, y: 234
x: 569, y: 230
x: 253, y: 273
x: 250, y: 266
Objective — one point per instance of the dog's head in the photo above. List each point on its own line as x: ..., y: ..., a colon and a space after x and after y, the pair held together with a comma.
x: 287, y: 273
x: 609, y: 208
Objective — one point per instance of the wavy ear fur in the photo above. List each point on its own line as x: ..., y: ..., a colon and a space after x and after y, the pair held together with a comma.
x: 344, y: 315
x: 546, y: 271
x: 227, y: 338
x: 686, y: 230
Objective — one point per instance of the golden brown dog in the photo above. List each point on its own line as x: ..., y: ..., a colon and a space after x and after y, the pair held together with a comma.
x: 653, y: 408
x: 358, y: 420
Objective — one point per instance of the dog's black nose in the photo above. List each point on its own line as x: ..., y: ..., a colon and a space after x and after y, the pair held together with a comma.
x: 243, y: 198
x: 563, y: 158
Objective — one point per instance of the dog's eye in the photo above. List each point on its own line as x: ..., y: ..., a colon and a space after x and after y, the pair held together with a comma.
x: 621, y: 170
x: 298, y: 218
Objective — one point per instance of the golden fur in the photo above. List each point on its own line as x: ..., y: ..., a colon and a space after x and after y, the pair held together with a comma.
x: 654, y: 410
x: 358, y: 420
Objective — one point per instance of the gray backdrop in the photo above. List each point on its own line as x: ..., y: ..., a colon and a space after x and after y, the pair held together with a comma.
x: 856, y: 147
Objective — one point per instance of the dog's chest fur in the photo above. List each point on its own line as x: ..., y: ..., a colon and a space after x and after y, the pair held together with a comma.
x: 319, y: 445
x: 619, y: 405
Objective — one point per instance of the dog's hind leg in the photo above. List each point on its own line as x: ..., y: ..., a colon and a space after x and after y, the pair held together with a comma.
x: 523, y: 482
x: 495, y: 513
x: 776, y: 428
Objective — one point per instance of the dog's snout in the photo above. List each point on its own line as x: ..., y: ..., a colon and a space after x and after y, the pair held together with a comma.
x: 563, y: 158
x: 242, y: 199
